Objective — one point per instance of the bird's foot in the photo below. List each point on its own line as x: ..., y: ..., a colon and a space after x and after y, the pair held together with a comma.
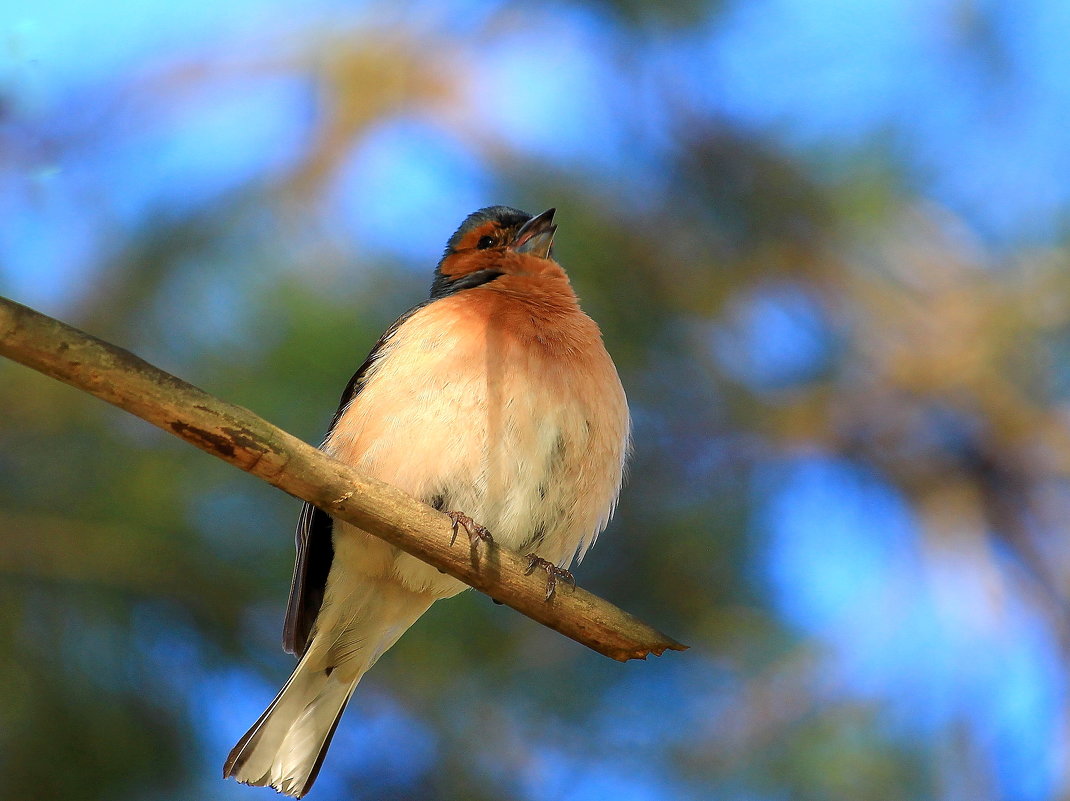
x: 475, y: 531
x: 553, y: 573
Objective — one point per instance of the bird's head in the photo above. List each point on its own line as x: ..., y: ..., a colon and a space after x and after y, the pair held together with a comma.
x: 494, y: 242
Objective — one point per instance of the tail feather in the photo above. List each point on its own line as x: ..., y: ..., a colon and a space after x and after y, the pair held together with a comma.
x: 285, y: 748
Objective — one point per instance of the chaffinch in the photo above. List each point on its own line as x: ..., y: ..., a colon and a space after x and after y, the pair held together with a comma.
x: 495, y: 401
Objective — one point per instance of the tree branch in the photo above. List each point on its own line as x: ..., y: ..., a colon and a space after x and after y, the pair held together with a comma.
x: 245, y: 440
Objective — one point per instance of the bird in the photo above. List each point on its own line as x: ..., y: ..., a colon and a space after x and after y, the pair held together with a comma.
x: 494, y: 401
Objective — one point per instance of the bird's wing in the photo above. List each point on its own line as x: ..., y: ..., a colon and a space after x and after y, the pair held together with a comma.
x: 315, y: 546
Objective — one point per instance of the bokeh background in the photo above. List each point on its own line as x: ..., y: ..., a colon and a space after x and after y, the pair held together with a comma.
x: 827, y: 244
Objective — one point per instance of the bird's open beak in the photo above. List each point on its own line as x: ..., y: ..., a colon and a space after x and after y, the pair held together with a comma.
x: 536, y: 235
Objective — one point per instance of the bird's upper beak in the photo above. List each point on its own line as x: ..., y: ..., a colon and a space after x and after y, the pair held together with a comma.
x: 536, y: 235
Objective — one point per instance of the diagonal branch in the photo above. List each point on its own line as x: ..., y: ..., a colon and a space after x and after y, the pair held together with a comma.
x: 245, y: 440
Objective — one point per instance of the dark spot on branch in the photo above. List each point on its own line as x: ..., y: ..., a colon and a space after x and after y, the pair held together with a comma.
x: 243, y: 438
x: 204, y: 439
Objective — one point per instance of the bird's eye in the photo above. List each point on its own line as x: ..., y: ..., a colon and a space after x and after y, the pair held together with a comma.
x: 485, y: 242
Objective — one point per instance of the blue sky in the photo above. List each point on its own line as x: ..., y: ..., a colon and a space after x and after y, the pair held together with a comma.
x: 968, y: 101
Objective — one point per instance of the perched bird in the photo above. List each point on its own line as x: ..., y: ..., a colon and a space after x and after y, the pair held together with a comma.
x: 495, y: 401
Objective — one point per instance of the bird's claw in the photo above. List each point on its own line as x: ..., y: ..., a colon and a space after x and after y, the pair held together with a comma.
x: 553, y: 573
x: 475, y: 531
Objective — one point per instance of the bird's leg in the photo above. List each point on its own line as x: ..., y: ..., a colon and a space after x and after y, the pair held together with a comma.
x: 475, y: 531
x: 553, y: 573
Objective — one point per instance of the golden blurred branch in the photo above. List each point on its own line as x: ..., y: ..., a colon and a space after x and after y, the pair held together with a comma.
x: 245, y: 440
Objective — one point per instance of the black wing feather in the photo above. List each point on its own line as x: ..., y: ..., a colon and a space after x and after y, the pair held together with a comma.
x: 314, y: 535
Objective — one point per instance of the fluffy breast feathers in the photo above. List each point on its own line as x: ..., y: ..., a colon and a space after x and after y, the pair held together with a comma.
x: 500, y: 402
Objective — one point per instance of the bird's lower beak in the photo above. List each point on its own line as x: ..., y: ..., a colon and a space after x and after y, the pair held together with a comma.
x: 536, y: 235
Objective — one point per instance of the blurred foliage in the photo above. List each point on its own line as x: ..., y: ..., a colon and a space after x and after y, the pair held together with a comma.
x: 761, y: 313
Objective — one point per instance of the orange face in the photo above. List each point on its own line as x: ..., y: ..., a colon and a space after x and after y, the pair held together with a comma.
x: 494, y: 242
x: 487, y: 236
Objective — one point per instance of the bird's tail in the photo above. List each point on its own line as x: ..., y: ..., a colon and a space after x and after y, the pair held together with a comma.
x: 286, y: 746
